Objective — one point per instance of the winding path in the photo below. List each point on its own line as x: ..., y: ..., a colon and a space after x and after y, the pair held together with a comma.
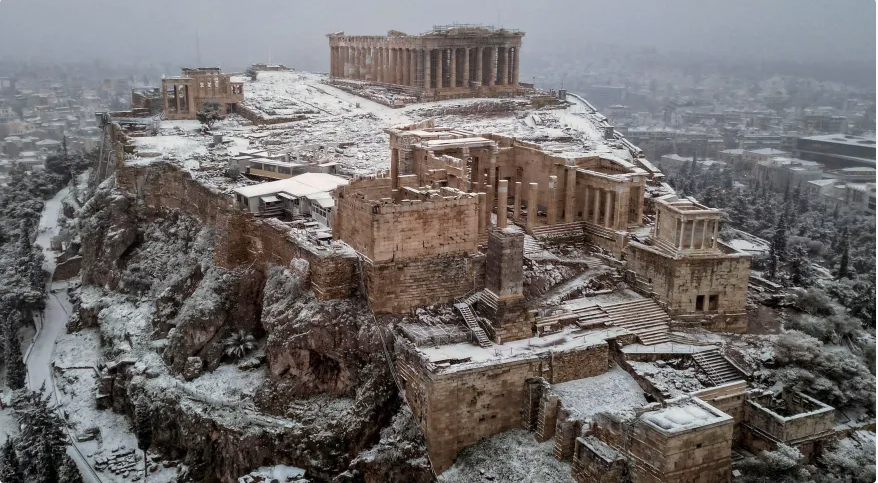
x: 51, y: 324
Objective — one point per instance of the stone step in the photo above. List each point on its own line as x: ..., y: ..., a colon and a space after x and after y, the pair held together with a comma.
x: 717, y: 367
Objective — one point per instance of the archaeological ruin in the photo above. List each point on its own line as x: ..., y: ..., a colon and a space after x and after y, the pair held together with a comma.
x: 448, y: 62
x: 183, y: 96
x: 534, y: 281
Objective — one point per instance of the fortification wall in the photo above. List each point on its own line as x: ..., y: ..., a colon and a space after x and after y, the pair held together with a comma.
x: 456, y: 409
x: 398, y: 286
x: 242, y: 238
x: 408, y: 230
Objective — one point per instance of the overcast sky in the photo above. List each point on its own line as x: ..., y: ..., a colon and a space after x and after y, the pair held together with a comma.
x: 234, y: 33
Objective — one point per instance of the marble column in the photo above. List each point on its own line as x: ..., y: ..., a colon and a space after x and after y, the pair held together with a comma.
x: 704, y: 233
x: 492, y: 65
x: 440, y: 71
x: 608, y: 209
x: 428, y: 65
x: 533, y: 192
x: 516, y: 210
x: 452, y: 68
x: 502, y: 202
x: 489, y: 196
x: 479, y: 65
x: 492, y: 168
x: 400, y: 63
x: 692, y: 236
x: 570, y: 194
x: 515, y: 60
x: 715, y: 232
x: 585, y: 203
x: 466, y: 68
x: 391, y: 66
x: 682, y: 228
x: 483, y: 207
x: 552, y: 202
x: 503, y: 65
x: 597, y: 206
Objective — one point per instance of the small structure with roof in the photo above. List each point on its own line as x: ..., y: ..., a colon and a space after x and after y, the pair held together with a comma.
x: 303, y: 195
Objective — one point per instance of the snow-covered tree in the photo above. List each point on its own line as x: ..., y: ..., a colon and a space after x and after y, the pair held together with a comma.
x: 799, y: 268
x: 783, y: 465
x: 41, y: 443
x: 10, y: 470
x: 209, y: 114
x: 143, y: 427
x: 69, y: 473
x: 16, y: 373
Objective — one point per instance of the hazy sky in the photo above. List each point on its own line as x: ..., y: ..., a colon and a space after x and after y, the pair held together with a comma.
x: 234, y: 33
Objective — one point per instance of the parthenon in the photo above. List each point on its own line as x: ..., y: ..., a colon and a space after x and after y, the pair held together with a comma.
x: 449, y: 61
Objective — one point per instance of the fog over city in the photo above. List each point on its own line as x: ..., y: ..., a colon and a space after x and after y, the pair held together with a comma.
x: 236, y: 32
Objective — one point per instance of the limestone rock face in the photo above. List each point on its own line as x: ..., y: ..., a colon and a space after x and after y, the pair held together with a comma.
x: 329, y: 390
x: 315, y: 346
x: 108, y: 231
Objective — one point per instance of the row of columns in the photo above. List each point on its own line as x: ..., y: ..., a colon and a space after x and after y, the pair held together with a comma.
x: 600, y: 200
x: 376, y: 64
x: 429, y: 68
x: 704, y: 229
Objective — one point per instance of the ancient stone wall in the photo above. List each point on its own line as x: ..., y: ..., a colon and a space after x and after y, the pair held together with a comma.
x: 679, y: 282
x: 399, y: 286
x: 242, y: 238
x: 700, y: 454
x: 456, y: 409
x: 595, y: 462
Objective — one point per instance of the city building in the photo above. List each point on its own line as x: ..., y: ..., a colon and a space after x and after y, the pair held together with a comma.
x: 449, y: 61
x: 837, y: 151
x: 783, y: 174
x: 184, y: 96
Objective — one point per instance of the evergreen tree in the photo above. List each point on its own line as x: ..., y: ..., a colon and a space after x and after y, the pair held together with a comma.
x: 41, y: 443
x: 843, y: 262
x: 772, y: 262
x: 10, y: 470
x: 801, y: 273
x: 143, y: 427
x: 69, y: 473
x: 16, y: 372
x: 779, y: 240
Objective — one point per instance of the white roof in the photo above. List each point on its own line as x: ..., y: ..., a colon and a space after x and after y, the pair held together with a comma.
x: 301, y: 185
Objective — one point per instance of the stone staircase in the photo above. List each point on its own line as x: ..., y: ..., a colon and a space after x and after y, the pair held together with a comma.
x: 593, y: 316
x: 558, y: 230
x: 644, y: 317
x: 718, y: 368
x: 472, y: 323
x: 531, y: 245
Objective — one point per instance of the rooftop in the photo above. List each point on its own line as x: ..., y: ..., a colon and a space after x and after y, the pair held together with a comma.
x: 846, y: 139
x: 464, y: 355
x: 684, y: 414
x: 768, y: 152
x: 306, y: 184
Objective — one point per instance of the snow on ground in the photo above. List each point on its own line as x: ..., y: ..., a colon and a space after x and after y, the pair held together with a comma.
x: 613, y: 391
x: 666, y: 348
x: 625, y: 295
x: 665, y: 378
x: 79, y: 349
x: 513, y: 456
x: 281, y: 473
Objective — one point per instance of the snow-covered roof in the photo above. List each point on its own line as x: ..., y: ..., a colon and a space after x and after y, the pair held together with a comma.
x: 684, y: 415
x: 302, y: 185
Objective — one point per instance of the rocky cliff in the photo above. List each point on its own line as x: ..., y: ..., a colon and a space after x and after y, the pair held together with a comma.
x: 315, y: 391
